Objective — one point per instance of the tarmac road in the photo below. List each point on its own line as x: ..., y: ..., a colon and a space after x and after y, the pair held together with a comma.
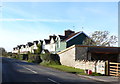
x: 19, y: 72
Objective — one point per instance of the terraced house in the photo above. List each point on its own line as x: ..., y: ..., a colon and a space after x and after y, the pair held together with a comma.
x: 60, y: 42
x: 55, y: 43
x: 29, y: 47
x: 70, y: 38
x: 49, y: 44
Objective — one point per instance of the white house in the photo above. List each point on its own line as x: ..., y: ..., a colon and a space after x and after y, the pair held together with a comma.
x: 28, y: 47
x: 15, y: 50
x: 46, y: 44
x: 22, y: 49
x: 49, y: 44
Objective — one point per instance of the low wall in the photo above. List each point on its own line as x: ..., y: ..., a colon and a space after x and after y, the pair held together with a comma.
x: 98, y: 66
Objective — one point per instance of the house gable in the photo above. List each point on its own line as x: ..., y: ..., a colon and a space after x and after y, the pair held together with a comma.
x: 64, y: 42
x: 76, y: 40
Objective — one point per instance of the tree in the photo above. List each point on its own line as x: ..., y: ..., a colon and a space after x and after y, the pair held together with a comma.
x: 101, y: 38
x: 3, y: 52
x: 39, y: 48
x: 89, y: 42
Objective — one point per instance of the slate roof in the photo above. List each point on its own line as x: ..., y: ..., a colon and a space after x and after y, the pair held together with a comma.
x: 64, y: 38
x: 29, y: 44
x: 35, y: 42
x: 14, y: 48
x: 23, y: 46
x: 18, y: 46
x: 54, y: 37
x: 70, y: 36
x: 47, y: 41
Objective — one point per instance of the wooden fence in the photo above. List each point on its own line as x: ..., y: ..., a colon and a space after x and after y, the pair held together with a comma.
x: 114, y: 69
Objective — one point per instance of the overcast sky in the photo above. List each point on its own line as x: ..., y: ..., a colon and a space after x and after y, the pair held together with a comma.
x: 23, y: 22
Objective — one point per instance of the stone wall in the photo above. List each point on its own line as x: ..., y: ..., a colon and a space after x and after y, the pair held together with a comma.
x: 98, y: 66
x: 69, y: 55
x: 81, y: 53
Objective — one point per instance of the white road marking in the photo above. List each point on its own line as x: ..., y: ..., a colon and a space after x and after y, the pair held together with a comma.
x: 53, y: 81
x: 30, y: 70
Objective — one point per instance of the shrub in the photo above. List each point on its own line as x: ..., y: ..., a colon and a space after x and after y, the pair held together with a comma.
x: 14, y: 55
x: 35, y: 58
x: 50, y: 58
x: 9, y: 54
x: 96, y: 74
x: 24, y: 56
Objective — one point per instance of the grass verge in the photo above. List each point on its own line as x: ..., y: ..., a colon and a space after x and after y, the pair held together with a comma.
x: 66, y: 69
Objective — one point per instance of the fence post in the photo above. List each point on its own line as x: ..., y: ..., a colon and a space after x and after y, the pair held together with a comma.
x: 117, y: 70
x: 107, y: 68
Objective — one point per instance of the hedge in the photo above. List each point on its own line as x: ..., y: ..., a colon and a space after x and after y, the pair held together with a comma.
x: 35, y: 58
x: 50, y: 58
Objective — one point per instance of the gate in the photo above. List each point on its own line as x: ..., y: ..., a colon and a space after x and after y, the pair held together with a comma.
x: 114, y: 69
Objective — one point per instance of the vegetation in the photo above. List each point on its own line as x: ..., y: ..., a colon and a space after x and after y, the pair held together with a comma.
x: 50, y: 59
x: 101, y: 38
x: 35, y: 58
x: 65, y: 68
x: 9, y: 54
x: 16, y: 56
x: 96, y: 74
x: 39, y: 49
x: 3, y: 52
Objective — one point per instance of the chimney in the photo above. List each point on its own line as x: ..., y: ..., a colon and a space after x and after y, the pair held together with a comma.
x: 69, y: 32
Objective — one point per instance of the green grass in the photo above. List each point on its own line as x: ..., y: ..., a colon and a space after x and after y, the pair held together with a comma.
x: 66, y: 69
x: 96, y: 74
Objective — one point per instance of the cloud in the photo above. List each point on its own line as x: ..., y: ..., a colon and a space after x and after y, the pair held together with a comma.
x: 39, y: 20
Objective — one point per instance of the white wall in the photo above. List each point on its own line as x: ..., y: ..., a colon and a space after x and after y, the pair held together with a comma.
x: 68, y: 57
x: 50, y: 47
x: 15, y: 51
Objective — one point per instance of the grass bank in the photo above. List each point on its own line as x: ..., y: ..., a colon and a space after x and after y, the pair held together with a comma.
x: 66, y: 69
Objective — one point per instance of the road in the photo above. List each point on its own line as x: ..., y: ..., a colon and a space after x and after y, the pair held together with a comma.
x: 19, y: 72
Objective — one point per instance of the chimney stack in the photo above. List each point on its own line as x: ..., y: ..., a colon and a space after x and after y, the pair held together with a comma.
x: 69, y: 32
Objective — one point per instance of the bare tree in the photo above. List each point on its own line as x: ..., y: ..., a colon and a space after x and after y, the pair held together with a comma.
x: 101, y: 38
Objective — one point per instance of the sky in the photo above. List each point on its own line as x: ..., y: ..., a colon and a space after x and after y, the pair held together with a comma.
x: 23, y: 22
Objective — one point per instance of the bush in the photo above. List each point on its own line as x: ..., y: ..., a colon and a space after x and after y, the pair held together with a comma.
x: 9, y: 54
x: 14, y: 55
x: 24, y: 56
x: 35, y: 58
x: 50, y: 58
x: 96, y: 74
